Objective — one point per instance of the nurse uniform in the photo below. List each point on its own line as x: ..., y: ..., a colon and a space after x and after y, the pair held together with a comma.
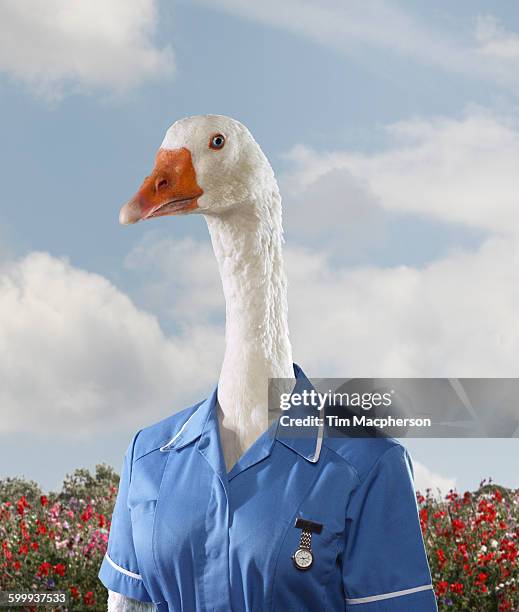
x: 300, y: 523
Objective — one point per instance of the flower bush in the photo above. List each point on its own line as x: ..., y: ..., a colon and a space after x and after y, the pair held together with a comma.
x: 56, y: 542
x: 472, y: 543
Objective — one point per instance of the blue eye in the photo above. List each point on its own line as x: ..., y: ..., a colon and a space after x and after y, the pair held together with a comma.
x: 217, y: 141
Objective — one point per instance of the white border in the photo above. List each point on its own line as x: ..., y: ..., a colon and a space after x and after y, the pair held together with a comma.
x: 121, y: 569
x: 362, y: 600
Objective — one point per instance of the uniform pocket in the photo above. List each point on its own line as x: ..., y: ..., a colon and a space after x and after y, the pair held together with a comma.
x: 309, y: 585
x: 143, y: 516
x: 143, y: 507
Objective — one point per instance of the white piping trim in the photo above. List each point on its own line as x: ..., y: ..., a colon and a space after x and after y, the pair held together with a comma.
x: 362, y: 600
x: 165, y: 446
x: 121, y: 569
x: 319, y: 441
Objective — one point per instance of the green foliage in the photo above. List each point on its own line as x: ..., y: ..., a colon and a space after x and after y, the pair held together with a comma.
x: 14, y: 488
x: 82, y: 484
x: 56, y: 542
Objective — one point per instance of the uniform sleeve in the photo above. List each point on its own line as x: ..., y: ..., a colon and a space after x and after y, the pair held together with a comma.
x: 119, y: 571
x: 385, y: 566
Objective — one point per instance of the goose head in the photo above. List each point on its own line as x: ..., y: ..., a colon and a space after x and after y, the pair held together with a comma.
x: 207, y: 164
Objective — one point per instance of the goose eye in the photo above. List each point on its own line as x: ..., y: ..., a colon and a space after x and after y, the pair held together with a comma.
x: 217, y: 141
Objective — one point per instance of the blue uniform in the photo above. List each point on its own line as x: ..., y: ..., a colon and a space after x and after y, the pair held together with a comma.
x: 191, y: 537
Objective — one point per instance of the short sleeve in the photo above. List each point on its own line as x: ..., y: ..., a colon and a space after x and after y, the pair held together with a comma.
x: 119, y: 571
x: 385, y: 566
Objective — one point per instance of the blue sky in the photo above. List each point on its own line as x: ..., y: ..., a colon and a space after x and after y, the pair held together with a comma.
x: 402, y: 114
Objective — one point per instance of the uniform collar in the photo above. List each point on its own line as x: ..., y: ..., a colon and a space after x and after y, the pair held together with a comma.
x: 195, y: 424
x: 305, y: 441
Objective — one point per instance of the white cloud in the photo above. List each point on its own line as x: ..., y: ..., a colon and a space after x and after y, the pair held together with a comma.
x: 455, y: 170
x: 355, y: 26
x: 76, y: 355
x: 179, y: 278
x: 456, y: 317
x: 60, y: 45
x: 330, y: 207
x: 425, y: 479
x: 495, y: 40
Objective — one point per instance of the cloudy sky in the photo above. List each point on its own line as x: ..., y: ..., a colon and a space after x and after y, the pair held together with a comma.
x: 393, y: 128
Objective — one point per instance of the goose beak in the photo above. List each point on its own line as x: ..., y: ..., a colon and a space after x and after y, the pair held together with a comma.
x: 171, y: 189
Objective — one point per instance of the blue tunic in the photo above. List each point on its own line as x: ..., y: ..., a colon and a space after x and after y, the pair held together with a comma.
x: 190, y: 537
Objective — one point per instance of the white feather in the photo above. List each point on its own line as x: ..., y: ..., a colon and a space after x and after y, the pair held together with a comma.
x: 242, y: 207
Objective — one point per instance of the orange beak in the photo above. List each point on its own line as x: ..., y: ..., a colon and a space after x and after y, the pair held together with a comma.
x: 171, y: 189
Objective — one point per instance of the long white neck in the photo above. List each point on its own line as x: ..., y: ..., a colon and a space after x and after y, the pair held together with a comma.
x: 247, y: 241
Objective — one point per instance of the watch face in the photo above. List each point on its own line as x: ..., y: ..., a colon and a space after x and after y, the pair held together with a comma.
x: 303, y: 558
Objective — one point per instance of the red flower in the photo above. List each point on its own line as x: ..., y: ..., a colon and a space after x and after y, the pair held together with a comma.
x: 41, y: 527
x: 488, y: 512
x: 458, y: 525
x: 35, y: 545
x: 457, y: 587
x: 441, y: 588
x: 17, y: 565
x: 23, y: 529
x: 101, y: 520
x: 424, y: 515
x: 441, y: 557
x: 480, y: 582
x: 44, y: 500
x: 483, y: 559
x: 462, y: 550
x: 44, y: 569
x: 74, y: 593
x: 22, y: 504
x: 23, y: 549
x: 87, y: 514
x: 88, y: 598
x: 60, y: 569
x: 7, y: 553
